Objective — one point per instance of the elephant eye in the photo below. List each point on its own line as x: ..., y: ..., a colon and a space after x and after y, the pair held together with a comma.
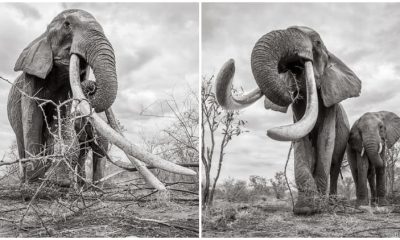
x: 67, y: 24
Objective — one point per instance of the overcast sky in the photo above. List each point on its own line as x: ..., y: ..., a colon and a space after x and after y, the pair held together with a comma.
x: 365, y: 36
x: 156, y: 48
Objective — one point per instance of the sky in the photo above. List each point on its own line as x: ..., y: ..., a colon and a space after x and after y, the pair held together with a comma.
x: 365, y: 36
x: 156, y: 47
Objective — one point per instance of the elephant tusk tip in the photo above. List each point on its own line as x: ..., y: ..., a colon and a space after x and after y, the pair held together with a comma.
x: 190, y: 172
x: 276, y: 134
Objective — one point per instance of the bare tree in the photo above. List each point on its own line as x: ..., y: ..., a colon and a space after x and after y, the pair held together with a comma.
x: 393, y: 155
x: 179, y: 141
x: 215, y: 120
x: 279, y: 185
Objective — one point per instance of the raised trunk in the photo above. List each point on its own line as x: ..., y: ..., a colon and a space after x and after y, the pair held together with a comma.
x: 271, y: 56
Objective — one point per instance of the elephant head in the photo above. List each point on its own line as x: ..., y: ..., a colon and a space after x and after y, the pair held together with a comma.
x: 74, y: 32
x: 288, y: 65
x: 374, y: 132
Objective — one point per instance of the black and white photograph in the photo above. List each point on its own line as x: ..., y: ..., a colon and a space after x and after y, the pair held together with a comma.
x: 300, y: 120
x: 99, y: 131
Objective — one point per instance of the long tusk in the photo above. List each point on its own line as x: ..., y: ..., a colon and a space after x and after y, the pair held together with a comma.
x: 141, y: 167
x: 307, y: 122
x: 223, y: 89
x: 380, y: 148
x: 114, y: 137
x: 362, y: 151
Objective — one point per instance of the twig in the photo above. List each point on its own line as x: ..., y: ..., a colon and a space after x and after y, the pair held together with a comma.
x: 184, y: 191
x: 41, y: 221
x: 286, y: 179
x: 167, y: 224
x: 370, y: 229
x: 7, y: 220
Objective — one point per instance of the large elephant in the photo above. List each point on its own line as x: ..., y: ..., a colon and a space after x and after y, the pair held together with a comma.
x: 370, y: 136
x: 293, y: 66
x: 52, y: 64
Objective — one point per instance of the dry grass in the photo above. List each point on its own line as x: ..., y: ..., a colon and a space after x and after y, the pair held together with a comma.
x: 115, y: 213
x: 274, y: 218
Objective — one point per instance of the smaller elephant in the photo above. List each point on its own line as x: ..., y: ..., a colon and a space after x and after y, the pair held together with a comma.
x: 370, y: 135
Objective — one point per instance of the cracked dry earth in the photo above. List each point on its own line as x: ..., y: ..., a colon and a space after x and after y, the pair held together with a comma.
x: 277, y: 220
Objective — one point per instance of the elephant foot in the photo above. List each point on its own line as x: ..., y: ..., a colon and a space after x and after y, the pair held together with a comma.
x: 382, y: 201
x: 307, y: 206
x: 362, y: 203
x: 366, y: 208
x: 335, y: 199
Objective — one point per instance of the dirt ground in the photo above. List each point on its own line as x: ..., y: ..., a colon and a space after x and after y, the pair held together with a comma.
x: 115, y: 215
x: 276, y: 219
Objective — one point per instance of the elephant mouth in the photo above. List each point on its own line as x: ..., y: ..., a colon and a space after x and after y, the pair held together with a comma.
x: 112, y: 135
x: 293, y: 63
x: 302, y: 127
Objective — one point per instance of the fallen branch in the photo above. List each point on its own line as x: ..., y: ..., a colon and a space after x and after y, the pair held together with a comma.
x: 370, y: 229
x: 167, y: 224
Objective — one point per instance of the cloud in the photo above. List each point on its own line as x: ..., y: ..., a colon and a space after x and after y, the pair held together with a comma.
x: 26, y: 10
x: 368, y: 45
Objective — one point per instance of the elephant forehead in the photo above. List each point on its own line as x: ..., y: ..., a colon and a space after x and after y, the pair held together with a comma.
x: 78, y: 13
x: 369, y: 120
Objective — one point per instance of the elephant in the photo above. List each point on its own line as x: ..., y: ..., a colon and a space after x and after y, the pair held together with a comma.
x: 293, y: 66
x: 370, y: 136
x: 55, y: 66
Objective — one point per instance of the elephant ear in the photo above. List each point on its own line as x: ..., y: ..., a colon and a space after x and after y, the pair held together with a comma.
x: 37, y: 58
x: 338, y: 82
x: 392, y: 123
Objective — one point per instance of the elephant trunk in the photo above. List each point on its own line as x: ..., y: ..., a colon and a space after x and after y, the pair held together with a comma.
x: 279, y: 52
x: 273, y: 54
x: 372, y: 150
x: 99, y: 54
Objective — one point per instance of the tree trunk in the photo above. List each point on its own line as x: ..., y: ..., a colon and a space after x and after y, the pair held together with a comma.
x: 221, y: 158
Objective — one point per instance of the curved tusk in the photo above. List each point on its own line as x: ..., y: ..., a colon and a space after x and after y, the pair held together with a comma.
x: 141, y: 167
x: 114, y: 137
x: 307, y: 122
x: 380, y: 148
x: 362, y: 151
x: 223, y: 89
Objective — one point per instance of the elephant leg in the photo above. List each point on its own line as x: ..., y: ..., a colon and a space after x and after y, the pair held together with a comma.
x: 99, y: 159
x: 335, y: 171
x: 342, y: 135
x: 362, y: 189
x: 21, y: 154
x: 352, y: 160
x: 372, y: 185
x: 381, y: 186
x: 325, y: 147
x: 83, y: 152
x: 32, y: 124
x: 304, y: 161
